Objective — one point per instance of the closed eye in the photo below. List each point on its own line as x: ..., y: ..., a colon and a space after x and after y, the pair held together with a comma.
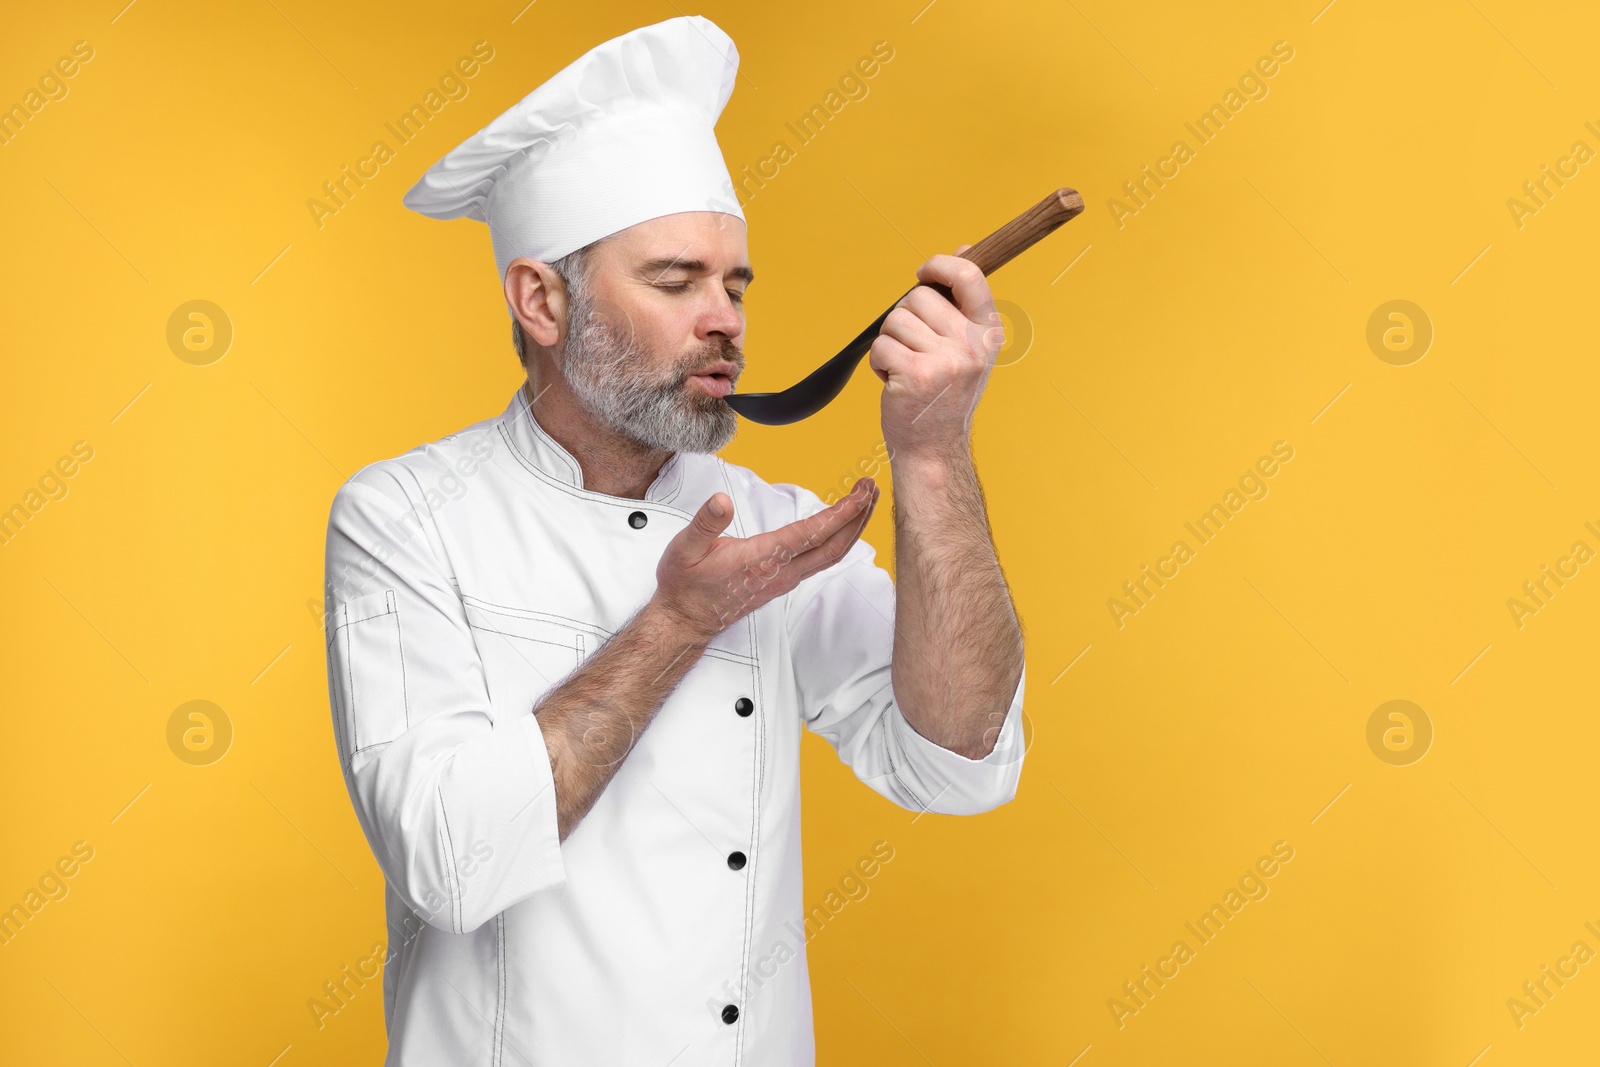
x: 680, y: 287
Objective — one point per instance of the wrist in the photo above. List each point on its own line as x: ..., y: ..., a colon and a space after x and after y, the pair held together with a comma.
x: 672, y: 627
x: 930, y: 462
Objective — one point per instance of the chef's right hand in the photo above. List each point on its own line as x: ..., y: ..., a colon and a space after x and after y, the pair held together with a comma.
x: 707, y: 582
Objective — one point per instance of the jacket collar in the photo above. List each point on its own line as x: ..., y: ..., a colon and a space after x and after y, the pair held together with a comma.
x: 545, y: 456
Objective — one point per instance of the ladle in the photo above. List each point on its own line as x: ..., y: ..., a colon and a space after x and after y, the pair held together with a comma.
x: 814, y: 392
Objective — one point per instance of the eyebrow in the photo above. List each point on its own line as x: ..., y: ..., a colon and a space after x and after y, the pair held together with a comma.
x: 662, y: 264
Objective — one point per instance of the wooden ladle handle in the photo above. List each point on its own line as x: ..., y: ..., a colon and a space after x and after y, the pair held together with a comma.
x: 1022, y: 232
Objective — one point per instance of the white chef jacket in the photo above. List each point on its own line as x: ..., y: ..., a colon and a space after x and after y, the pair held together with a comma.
x: 465, y: 579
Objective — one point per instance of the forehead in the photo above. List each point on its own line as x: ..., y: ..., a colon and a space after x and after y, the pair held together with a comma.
x: 715, y: 238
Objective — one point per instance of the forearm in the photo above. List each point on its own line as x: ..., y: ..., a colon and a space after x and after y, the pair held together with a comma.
x: 592, y: 720
x: 958, y: 643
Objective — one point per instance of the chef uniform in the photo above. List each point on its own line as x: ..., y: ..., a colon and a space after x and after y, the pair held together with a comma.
x: 469, y: 576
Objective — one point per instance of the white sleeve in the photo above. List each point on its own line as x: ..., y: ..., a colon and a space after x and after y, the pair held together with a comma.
x: 841, y: 633
x: 460, y: 809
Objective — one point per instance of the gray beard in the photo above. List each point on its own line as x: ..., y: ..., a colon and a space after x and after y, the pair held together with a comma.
x: 608, y: 374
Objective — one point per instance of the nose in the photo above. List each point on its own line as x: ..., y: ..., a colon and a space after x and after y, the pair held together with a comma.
x: 722, y: 319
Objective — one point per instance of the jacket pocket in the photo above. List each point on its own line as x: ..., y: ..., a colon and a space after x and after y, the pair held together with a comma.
x: 525, y: 654
x: 370, y: 671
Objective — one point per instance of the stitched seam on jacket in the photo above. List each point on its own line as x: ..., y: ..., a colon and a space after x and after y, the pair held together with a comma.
x: 501, y: 963
x: 419, y: 507
x: 350, y: 670
x: 451, y: 878
x: 598, y: 632
x: 525, y: 411
x: 755, y: 808
x: 346, y: 626
x: 588, y: 495
x: 405, y: 688
x: 341, y: 710
x: 677, y: 480
x: 529, y: 614
x: 388, y: 609
x: 892, y: 743
x: 524, y: 637
x: 588, y: 627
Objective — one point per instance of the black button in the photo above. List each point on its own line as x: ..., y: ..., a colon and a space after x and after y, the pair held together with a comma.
x: 736, y: 860
x: 743, y: 706
x: 638, y: 519
x: 730, y: 1014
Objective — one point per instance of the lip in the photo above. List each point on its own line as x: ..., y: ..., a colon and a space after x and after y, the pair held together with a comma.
x: 711, y: 383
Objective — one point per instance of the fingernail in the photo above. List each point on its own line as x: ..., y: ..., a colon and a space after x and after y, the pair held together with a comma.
x: 716, y: 508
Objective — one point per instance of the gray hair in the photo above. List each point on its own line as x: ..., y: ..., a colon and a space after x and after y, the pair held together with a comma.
x: 573, y: 270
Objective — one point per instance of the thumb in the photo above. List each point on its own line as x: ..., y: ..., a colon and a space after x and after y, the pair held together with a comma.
x: 706, y: 526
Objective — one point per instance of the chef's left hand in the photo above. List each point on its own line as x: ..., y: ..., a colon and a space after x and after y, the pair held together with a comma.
x: 934, y: 358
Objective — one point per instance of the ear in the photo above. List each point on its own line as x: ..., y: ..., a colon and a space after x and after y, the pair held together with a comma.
x: 538, y: 299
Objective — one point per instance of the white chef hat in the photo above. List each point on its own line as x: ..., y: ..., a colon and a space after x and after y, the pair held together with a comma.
x: 621, y: 135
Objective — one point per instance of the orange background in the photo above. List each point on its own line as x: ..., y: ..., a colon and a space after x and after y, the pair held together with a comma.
x: 1172, y: 346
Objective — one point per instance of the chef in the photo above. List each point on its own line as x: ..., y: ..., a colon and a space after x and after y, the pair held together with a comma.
x: 571, y: 650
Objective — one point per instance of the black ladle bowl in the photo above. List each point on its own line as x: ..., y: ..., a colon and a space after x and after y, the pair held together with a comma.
x: 816, y: 390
